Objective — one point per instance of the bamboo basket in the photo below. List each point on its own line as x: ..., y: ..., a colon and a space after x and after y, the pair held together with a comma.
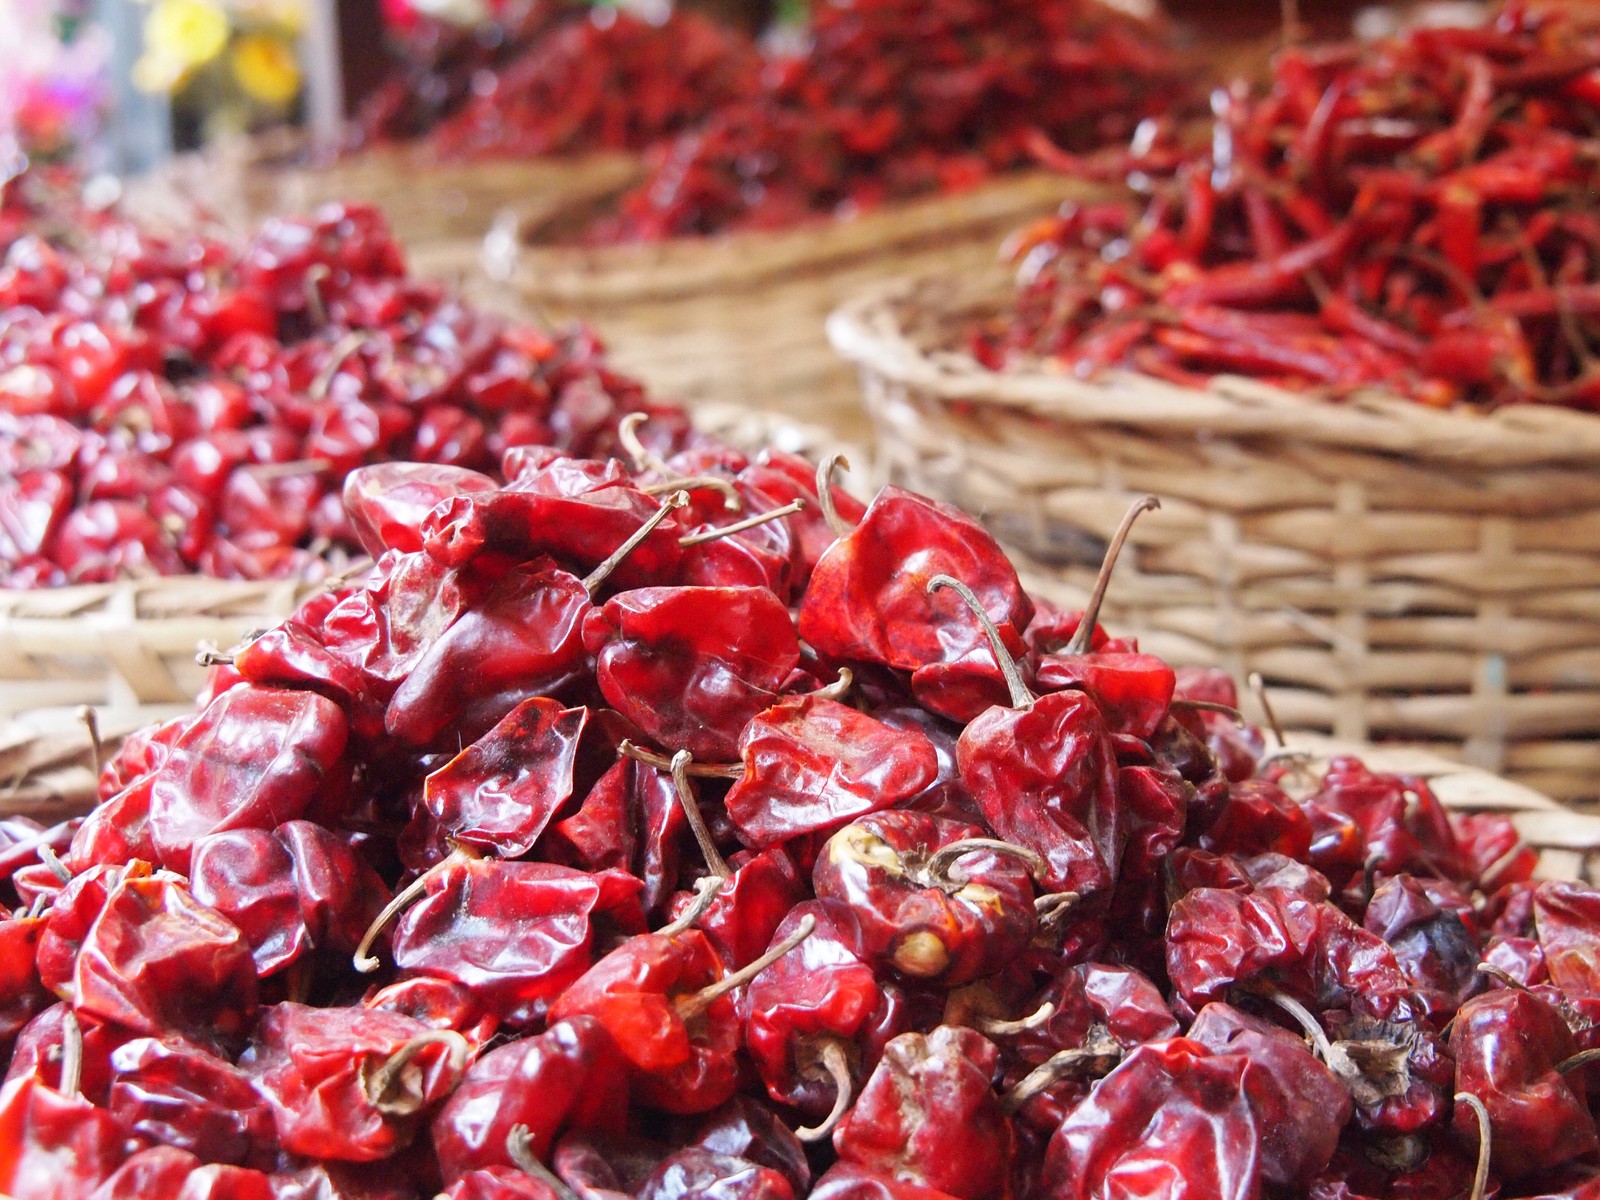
x: 739, y: 319
x: 427, y: 200
x: 128, y: 645
x: 1397, y: 574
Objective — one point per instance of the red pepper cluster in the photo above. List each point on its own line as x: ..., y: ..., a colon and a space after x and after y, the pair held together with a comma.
x: 179, y: 404
x: 682, y: 829
x: 1415, y: 214
x: 561, y: 78
x: 897, y: 98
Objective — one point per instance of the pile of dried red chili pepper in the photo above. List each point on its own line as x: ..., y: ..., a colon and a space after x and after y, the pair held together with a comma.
x: 1415, y: 214
x: 179, y: 404
x: 897, y: 98
x: 677, y: 827
x: 561, y: 77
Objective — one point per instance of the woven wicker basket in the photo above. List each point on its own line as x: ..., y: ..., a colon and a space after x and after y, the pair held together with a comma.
x: 1397, y: 574
x: 132, y: 644
x: 426, y: 199
x: 739, y: 319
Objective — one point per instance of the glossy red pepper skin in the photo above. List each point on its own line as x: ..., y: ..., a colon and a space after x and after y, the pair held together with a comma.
x: 1045, y: 778
x: 178, y: 1094
x: 868, y: 600
x: 55, y: 1147
x: 500, y: 793
x: 701, y: 1174
x: 630, y: 821
x: 690, y: 666
x: 315, y: 1067
x: 516, y: 933
x: 929, y: 1115
x: 255, y: 758
x: 572, y: 1076
x: 679, y: 1065
x: 953, y: 928
x: 387, y: 502
x: 811, y: 763
x: 750, y: 906
x: 1507, y: 1045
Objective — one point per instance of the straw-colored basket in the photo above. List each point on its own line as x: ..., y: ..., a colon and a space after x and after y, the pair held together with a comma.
x: 427, y: 200
x: 1397, y: 574
x: 132, y: 644
x: 739, y: 319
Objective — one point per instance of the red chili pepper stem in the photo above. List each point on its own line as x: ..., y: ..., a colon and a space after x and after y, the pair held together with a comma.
x: 942, y: 860
x: 71, y: 1054
x: 644, y: 458
x: 997, y: 1027
x: 519, y: 1145
x: 1021, y: 697
x: 52, y: 860
x: 694, y: 770
x: 1083, y: 637
x: 691, y: 1006
x: 337, y: 355
x: 1480, y: 1177
x: 367, y: 963
x: 314, y: 276
x: 1210, y: 706
x: 1099, y: 1054
x: 397, y: 1093
x: 839, y: 688
x: 1258, y: 688
x: 832, y: 1061
x: 830, y: 514
x: 731, y: 500
x: 91, y: 724
x: 722, y: 531
x: 691, y: 811
x: 1500, y: 976
x: 284, y: 470
x: 213, y: 658
x: 593, y: 580
x: 706, y: 890
x: 1052, y: 906
x: 1581, y: 1059
x: 1307, y: 1021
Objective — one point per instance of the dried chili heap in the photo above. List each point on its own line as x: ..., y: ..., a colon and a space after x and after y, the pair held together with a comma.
x: 897, y: 98
x: 554, y: 77
x: 678, y: 827
x: 1415, y: 214
x: 179, y: 404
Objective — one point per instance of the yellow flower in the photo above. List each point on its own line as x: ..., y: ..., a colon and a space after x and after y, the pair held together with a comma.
x: 266, y: 68
x: 185, y: 33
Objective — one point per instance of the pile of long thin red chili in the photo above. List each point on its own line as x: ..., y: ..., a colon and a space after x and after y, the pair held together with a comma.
x: 558, y: 76
x: 677, y: 828
x: 1416, y: 214
x: 898, y: 98
x: 179, y: 404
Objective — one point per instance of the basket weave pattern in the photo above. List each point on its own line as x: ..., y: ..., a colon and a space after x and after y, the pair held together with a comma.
x: 1396, y: 573
x: 740, y: 318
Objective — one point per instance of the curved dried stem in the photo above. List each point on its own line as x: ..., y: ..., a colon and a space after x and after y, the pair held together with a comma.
x: 395, y: 1088
x: 694, y: 770
x: 363, y: 960
x: 692, y: 1006
x: 830, y: 514
x: 1083, y: 637
x: 1304, y: 1018
x: 519, y: 1145
x: 1480, y: 1177
x: 50, y: 859
x: 944, y: 858
x: 1097, y: 1056
x: 706, y: 890
x: 1021, y: 697
x: 91, y: 724
x: 839, y: 688
x: 995, y: 1027
x: 1052, y: 906
x: 691, y: 811
x: 750, y: 522
x: 642, y: 457
x: 593, y: 580
x: 313, y: 278
x: 731, y: 500
x: 71, y: 1054
x: 338, y: 354
x: 1581, y: 1059
x: 1210, y: 706
x: 1258, y: 688
x: 837, y: 1066
x: 210, y: 656
x: 1501, y: 976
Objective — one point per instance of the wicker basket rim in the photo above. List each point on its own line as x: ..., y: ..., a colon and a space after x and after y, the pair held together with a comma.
x: 874, y: 331
x: 743, y: 261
